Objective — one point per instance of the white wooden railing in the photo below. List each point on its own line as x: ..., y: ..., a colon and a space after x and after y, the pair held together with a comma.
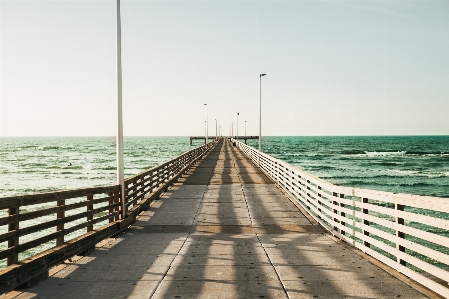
x: 409, y: 233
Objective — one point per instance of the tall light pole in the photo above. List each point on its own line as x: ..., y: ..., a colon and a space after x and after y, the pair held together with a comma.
x: 245, y: 128
x: 216, y: 125
x: 260, y: 111
x: 205, y: 134
x: 237, y: 126
x: 120, y: 163
x: 219, y: 131
x: 232, y: 130
x: 207, y: 116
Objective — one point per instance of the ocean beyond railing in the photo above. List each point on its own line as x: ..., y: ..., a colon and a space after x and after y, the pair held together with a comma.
x: 409, y: 233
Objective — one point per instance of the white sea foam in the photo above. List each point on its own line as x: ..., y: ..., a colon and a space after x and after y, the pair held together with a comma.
x: 385, y: 154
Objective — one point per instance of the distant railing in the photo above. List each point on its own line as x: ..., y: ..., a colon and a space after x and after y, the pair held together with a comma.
x: 43, y: 230
x: 148, y: 182
x: 409, y: 233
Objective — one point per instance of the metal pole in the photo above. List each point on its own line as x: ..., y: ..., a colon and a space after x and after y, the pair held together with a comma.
x: 207, y: 123
x: 216, y: 124
x: 120, y: 163
x: 237, y: 126
x: 245, y: 128
x: 260, y: 111
x: 233, y: 130
x: 205, y: 133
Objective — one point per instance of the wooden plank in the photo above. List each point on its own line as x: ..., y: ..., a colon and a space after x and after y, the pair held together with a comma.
x: 60, y: 227
x: 13, y: 242
x: 424, y: 219
x: 148, y: 184
x: 25, y: 200
x: 53, y: 223
x: 427, y: 236
x: 424, y: 202
x: 418, y: 233
x: 50, y: 237
x: 49, y: 211
x: 90, y: 214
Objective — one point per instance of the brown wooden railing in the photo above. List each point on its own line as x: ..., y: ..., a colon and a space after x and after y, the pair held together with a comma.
x: 74, y: 210
x: 43, y: 230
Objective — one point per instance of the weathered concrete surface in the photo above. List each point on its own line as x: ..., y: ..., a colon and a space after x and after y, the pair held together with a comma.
x: 226, y: 232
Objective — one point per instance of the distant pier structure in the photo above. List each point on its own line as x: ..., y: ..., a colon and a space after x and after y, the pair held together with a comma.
x: 212, y: 137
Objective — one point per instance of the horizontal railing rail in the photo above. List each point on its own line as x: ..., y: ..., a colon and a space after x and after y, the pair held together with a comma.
x: 39, y: 231
x: 409, y: 233
x: 54, y: 216
x: 148, y: 182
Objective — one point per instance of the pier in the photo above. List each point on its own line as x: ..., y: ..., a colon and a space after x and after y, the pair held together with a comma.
x: 224, y: 229
x: 245, y: 138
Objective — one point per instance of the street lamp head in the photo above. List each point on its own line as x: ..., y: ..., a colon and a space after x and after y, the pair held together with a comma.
x: 205, y: 104
x: 262, y: 75
x: 238, y: 113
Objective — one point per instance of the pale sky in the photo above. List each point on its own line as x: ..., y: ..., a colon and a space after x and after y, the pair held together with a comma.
x: 333, y: 67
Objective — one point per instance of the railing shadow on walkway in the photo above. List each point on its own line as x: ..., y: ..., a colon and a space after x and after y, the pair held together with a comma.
x: 204, y: 262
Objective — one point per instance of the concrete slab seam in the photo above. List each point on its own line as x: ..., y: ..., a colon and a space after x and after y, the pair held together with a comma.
x: 247, y: 206
x: 169, y: 266
x: 272, y: 265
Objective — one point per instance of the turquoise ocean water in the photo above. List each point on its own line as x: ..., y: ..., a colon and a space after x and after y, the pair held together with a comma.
x: 406, y: 164
x: 43, y: 164
x: 400, y: 164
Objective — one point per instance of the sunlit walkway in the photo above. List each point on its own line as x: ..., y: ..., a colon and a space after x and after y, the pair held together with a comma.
x: 225, y: 231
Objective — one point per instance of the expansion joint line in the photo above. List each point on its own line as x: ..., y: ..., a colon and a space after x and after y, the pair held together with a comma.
x: 246, y: 203
x: 169, y: 266
x: 243, y: 191
x: 200, y: 205
x: 275, y: 270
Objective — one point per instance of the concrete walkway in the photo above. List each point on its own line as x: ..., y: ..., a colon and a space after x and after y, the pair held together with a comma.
x: 225, y: 231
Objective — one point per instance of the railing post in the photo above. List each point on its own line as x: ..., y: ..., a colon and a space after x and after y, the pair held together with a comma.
x: 342, y: 214
x: 111, y: 210
x: 335, y: 194
x: 90, y: 216
x: 14, y: 242
x: 319, y: 203
x: 60, y: 227
x: 134, y: 189
x: 365, y: 222
x: 400, y: 234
